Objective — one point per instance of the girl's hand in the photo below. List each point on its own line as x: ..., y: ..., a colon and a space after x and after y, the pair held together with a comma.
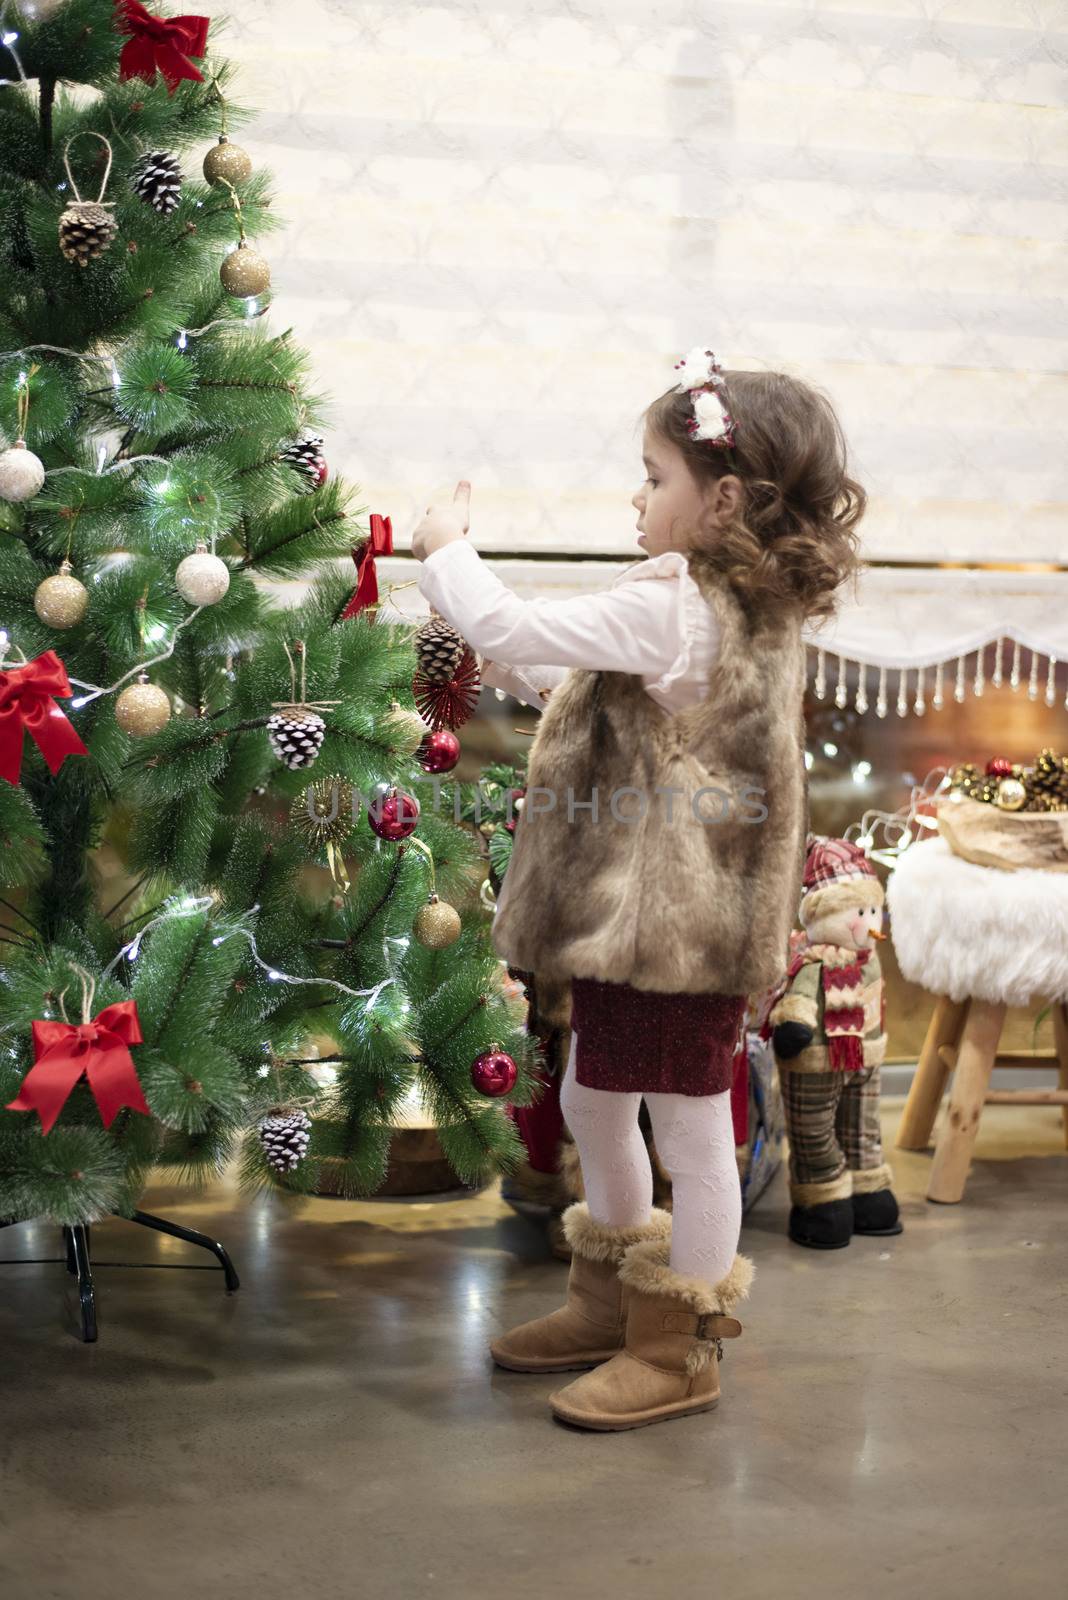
x: 444, y: 522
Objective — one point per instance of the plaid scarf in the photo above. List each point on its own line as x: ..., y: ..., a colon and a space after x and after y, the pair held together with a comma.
x: 841, y: 977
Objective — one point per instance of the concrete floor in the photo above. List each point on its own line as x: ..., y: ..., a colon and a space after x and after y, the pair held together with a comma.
x: 893, y: 1420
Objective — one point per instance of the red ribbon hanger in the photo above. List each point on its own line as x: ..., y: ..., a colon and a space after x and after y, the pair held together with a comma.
x: 26, y: 705
x: 163, y: 42
x: 99, y: 1050
x: 379, y: 544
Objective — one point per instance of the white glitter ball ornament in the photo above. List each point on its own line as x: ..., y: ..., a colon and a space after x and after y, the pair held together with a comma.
x: 21, y: 473
x: 202, y: 578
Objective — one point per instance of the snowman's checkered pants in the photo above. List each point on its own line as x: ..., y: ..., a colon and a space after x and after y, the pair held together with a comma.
x: 833, y: 1118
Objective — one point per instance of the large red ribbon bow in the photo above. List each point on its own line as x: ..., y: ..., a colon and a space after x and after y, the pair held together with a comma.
x: 26, y: 704
x: 64, y: 1051
x: 163, y: 42
x: 379, y: 544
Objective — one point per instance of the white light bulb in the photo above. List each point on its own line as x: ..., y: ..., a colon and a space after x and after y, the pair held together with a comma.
x: 830, y: 749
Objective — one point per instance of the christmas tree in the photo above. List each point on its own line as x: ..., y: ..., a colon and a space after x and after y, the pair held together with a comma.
x: 218, y: 924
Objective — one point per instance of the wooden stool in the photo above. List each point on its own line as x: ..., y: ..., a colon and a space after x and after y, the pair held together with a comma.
x: 963, y: 1038
x: 982, y: 938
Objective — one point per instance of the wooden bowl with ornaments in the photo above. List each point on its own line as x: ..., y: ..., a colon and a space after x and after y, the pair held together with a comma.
x: 993, y: 837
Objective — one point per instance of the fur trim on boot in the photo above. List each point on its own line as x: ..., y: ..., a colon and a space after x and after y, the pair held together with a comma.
x: 590, y: 1326
x: 874, y: 1178
x: 669, y: 1365
x: 818, y: 1194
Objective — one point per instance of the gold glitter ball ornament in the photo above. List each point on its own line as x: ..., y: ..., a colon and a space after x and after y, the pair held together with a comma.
x: 227, y: 162
x: 406, y: 724
x: 142, y: 708
x: 61, y: 601
x: 245, y: 273
x: 202, y: 578
x: 1011, y: 795
x: 437, y: 924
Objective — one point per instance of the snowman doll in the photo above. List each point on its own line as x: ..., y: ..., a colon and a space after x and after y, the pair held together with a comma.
x: 827, y: 1029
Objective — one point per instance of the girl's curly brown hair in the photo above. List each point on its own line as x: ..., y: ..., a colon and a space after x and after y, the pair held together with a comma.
x: 794, y: 538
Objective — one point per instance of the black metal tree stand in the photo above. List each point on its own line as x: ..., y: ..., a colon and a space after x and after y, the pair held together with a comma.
x: 78, y: 1263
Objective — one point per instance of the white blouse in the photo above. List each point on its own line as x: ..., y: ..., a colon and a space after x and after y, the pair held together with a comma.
x: 661, y: 629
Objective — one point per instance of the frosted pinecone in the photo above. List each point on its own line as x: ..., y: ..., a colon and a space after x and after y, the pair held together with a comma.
x: 157, y: 179
x: 285, y: 1136
x: 439, y: 650
x: 306, y: 458
x: 86, y: 229
x: 296, y: 737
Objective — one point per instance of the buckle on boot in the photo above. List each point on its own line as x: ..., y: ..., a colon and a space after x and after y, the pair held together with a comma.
x: 715, y: 1327
x: 706, y: 1330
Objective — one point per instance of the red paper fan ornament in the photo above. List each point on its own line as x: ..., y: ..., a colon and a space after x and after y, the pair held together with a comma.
x: 449, y: 705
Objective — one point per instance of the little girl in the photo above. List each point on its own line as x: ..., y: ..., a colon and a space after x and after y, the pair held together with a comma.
x: 659, y: 853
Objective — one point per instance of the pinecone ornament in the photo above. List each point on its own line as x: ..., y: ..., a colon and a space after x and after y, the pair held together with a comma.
x: 306, y: 458
x: 1047, y: 782
x: 86, y: 229
x: 157, y: 179
x: 285, y: 1136
x: 296, y: 735
x: 439, y: 650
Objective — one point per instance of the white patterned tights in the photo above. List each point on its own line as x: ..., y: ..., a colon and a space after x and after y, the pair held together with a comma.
x: 694, y: 1138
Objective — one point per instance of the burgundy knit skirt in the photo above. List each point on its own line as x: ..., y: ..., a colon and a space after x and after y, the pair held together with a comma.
x: 639, y: 1041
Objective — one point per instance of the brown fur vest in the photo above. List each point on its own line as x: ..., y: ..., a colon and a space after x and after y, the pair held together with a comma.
x: 667, y: 902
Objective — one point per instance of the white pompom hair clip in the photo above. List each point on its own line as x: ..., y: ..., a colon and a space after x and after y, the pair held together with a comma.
x: 702, y: 376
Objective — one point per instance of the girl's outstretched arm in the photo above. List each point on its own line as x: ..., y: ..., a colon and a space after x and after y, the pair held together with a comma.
x: 631, y: 627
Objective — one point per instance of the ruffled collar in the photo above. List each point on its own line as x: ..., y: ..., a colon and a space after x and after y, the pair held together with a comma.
x: 692, y: 610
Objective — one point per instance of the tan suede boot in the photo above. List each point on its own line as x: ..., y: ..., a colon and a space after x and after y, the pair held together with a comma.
x: 669, y: 1365
x: 589, y: 1327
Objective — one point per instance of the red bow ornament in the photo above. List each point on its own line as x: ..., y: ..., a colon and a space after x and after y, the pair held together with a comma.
x: 163, y: 42
x: 379, y: 544
x: 100, y: 1050
x: 26, y: 705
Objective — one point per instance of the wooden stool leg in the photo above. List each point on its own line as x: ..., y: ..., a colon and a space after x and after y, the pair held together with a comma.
x: 929, y: 1083
x: 1060, y: 1037
x: 975, y: 1063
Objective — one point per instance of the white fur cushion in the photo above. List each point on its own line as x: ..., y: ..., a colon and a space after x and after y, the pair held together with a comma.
x: 960, y: 929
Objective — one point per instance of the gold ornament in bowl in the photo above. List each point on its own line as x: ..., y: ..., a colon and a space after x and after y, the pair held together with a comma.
x: 1011, y: 794
x: 143, y: 708
x: 226, y: 162
x: 61, y: 601
x: 437, y: 924
x: 245, y: 273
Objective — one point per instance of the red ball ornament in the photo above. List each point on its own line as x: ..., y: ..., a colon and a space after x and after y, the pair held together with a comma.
x: 494, y: 1072
x: 439, y: 751
x: 394, y: 815
x: 999, y: 767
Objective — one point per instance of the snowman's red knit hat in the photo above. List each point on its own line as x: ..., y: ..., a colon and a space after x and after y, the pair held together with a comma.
x: 837, y: 875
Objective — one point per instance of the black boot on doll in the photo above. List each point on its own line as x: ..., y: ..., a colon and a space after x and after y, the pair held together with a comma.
x: 825, y: 1225
x: 875, y: 1209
